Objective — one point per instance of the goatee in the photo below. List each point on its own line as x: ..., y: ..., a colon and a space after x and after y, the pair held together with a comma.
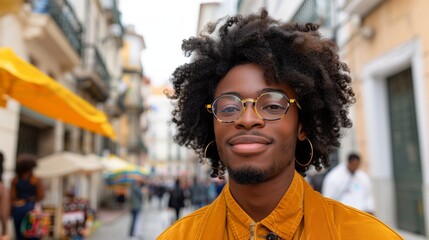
x: 247, y: 175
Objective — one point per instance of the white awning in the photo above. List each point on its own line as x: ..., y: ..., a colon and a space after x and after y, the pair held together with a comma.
x: 66, y: 163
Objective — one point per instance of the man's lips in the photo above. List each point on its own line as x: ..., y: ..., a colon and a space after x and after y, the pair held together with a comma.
x: 249, y: 139
x: 249, y: 144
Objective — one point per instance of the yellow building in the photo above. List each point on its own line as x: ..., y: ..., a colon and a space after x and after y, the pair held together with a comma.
x: 386, y: 45
x: 130, y: 98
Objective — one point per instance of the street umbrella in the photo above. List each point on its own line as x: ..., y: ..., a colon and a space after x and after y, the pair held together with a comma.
x: 125, y: 177
x: 122, y: 173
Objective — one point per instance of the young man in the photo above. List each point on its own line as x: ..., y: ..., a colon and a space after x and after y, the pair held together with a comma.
x: 277, y: 97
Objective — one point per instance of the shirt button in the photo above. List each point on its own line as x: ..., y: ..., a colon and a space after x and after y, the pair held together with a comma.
x: 271, y: 236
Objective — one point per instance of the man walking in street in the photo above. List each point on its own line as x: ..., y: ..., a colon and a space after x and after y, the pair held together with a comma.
x: 176, y: 200
x: 198, y: 193
x: 135, y: 205
x: 348, y: 184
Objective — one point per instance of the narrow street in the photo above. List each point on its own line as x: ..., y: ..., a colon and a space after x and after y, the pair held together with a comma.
x: 115, y: 225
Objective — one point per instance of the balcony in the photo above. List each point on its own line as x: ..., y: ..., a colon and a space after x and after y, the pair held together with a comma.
x: 318, y: 12
x: 359, y: 7
x: 53, y: 27
x: 94, y: 77
x: 113, y: 16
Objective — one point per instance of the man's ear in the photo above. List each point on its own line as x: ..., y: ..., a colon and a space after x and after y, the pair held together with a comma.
x: 301, y: 134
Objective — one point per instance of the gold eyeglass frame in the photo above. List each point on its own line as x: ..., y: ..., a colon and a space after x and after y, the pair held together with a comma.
x: 253, y: 101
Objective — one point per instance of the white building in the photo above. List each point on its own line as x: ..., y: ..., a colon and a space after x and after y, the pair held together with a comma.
x: 165, y: 157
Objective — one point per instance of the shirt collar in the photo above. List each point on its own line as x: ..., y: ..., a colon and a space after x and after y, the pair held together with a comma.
x: 283, y: 220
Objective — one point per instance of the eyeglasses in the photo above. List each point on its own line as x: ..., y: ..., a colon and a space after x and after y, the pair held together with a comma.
x: 269, y: 106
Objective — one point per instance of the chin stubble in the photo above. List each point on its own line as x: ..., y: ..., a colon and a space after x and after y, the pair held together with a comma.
x: 249, y: 175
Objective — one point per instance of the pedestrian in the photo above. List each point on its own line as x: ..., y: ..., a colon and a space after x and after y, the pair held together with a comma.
x: 220, y: 184
x: 177, y: 198
x: 135, y: 205
x: 198, y: 193
x: 76, y: 217
x: 211, y: 191
x: 276, y: 98
x: 151, y: 190
x: 348, y: 184
x: 4, y: 210
x: 160, y: 191
x: 25, y: 192
x: 120, y: 197
x: 316, y: 180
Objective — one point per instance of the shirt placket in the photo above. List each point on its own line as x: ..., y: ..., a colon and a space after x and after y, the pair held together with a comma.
x: 258, y: 231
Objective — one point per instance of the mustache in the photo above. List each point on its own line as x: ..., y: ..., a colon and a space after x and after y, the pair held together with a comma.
x: 251, y: 133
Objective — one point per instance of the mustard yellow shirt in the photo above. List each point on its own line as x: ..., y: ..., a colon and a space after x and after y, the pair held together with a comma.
x: 301, y: 214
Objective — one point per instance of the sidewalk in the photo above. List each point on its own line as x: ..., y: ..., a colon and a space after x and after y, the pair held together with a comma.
x: 107, y: 216
x: 115, y: 224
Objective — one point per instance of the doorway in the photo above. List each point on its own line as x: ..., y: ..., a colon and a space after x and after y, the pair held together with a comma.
x: 406, y: 160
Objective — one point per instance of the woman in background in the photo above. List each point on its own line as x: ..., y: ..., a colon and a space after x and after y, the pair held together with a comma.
x: 26, y: 190
x: 4, y: 210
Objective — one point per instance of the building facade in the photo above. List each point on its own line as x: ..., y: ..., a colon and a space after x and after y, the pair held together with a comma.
x: 386, y: 46
x: 130, y: 99
x: 166, y: 158
x: 76, y: 43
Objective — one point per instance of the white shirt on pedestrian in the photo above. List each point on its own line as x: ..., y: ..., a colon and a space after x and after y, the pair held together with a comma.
x: 351, y: 189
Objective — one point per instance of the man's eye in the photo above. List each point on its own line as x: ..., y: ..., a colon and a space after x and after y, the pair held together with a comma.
x: 273, y: 107
x: 230, y: 109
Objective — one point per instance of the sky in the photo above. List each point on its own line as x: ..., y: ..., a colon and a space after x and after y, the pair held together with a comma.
x: 163, y: 24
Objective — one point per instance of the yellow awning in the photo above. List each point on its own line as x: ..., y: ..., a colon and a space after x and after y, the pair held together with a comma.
x: 115, y: 164
x: 35, y: 90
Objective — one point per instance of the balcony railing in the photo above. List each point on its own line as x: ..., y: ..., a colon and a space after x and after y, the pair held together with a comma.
x: 94, y: 77
x: 114, y: 15
x: 360, y: 7
x: 65, y: 17
x: 314, y: 11
x: 100, y: 67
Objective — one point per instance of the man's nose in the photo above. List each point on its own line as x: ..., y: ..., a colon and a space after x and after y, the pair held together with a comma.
x: 249, y: 117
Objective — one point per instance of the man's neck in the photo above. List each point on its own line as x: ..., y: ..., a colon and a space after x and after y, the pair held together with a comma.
x: 259, y: 200
x: 351, y: 172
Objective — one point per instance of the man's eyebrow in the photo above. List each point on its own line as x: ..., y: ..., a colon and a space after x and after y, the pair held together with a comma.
x: 264, y: 90
x: 271, y: 90
x: 230, y: 93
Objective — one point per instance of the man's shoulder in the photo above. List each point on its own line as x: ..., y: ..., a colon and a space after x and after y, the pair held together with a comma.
x: 360, y: 225
x: 362, y: 175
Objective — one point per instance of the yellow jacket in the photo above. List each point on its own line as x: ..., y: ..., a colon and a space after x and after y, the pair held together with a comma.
x: 301, y: 214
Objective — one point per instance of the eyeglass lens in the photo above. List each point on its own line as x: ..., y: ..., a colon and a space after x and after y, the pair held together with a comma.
x: 269, y: 106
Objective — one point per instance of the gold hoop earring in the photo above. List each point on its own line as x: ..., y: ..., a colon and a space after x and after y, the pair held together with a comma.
x: 217, y: 171
x: 205, y: 154
x: 311, y: 155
